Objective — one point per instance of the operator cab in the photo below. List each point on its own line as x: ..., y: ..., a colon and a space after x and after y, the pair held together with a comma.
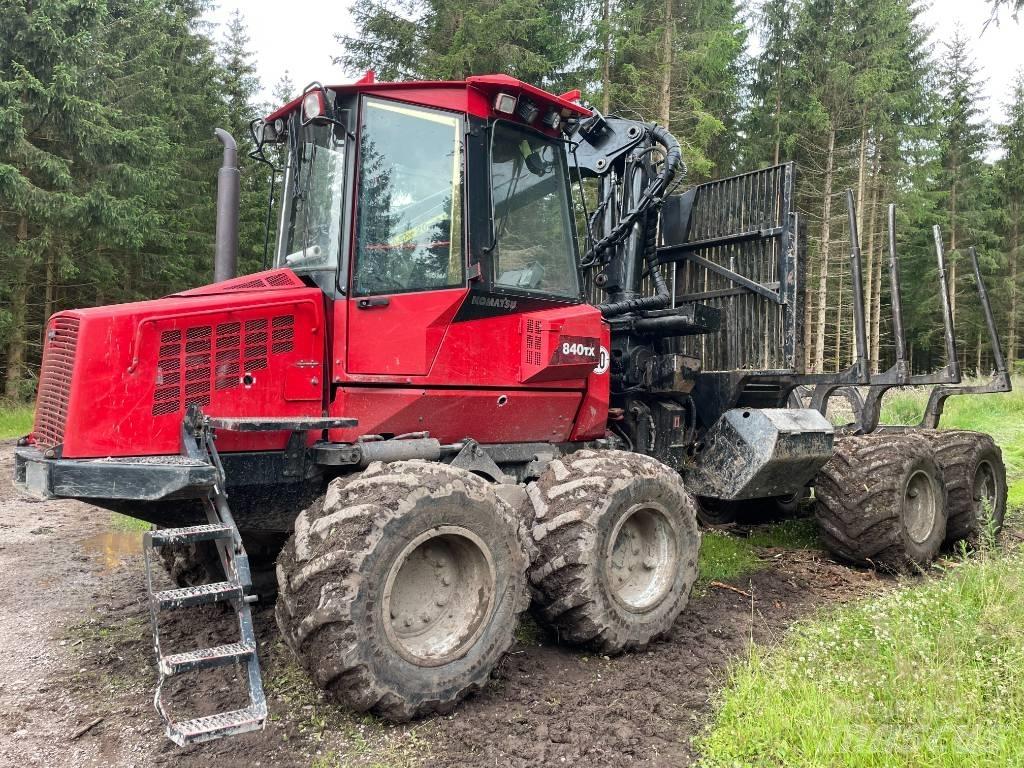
x: 390, y: 188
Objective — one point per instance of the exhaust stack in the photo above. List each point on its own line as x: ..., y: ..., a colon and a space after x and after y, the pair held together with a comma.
x: 225, y: 259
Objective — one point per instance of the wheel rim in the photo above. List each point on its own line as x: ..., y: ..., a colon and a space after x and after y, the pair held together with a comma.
x: 920, y: 506
x: 439, y: 596
x: 984, y: 490
x: 641, y: 560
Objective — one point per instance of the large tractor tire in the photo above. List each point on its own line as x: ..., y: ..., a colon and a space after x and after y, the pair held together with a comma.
x: 617, y: 543
x: 788, y: 506
x: 972, y: 466
x: 401, y: 589
x: 881, y: 501
x: 714, y: 513
x: 717, y: 512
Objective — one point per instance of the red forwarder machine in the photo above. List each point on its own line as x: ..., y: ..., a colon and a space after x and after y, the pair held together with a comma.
x: 439, y: 406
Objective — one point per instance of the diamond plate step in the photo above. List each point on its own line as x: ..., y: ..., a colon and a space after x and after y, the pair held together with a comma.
x: 207, y: 658
x: 215, y: 726
x: 218, y: 592
x: 192, y: 533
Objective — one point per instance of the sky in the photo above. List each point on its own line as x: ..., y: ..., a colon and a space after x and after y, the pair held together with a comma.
x: 299, y: 37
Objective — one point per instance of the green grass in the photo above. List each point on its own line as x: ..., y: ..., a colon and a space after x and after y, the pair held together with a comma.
x: 931, y: 674
x: 15, y: 420
x: 727, y: 557
x: 724, y: 557
x: 119, y: 522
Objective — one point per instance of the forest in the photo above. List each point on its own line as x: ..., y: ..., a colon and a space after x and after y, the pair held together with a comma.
x: 108, y: 161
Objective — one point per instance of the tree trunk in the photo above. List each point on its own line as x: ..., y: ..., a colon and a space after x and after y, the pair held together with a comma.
x: 1011, y: 349
x: 862, y: 168
x: 873, y: 300
x: 839, y: 323
x: 606, y: 58
x: 667, y: 39
x: 951, y: 256
x: 778, y: 113
x: 826, y: 233
x: 808, y: 316
x: 51, y: 290
x: 876, y: 312
x: 19, y: 316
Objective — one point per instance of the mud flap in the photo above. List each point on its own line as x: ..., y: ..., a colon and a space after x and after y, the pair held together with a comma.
x: 752, y: 453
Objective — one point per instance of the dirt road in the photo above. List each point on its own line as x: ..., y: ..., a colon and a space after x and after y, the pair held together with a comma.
x: 75, y: 652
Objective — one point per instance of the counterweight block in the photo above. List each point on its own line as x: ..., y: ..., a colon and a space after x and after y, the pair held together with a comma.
x: 752, y: 453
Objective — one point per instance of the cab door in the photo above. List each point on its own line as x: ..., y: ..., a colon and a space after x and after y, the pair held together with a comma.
x: 408, y: 267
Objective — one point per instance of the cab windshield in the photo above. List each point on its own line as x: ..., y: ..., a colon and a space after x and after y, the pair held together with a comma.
x: 534, y: 247
x: 315, y: 185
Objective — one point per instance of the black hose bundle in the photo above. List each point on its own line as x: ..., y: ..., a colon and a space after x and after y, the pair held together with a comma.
x: 649, y: 202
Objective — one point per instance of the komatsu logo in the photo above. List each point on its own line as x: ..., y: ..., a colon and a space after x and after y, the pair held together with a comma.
x: 497, y: 302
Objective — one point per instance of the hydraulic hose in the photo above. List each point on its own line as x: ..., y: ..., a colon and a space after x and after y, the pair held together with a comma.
x: 649, y: 202
x: 661, y: 298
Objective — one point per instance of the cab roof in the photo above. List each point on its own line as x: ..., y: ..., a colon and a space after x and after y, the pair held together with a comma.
x: 474, y: 95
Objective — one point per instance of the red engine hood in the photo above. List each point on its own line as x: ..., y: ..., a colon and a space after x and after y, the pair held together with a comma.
x: 116, y: 380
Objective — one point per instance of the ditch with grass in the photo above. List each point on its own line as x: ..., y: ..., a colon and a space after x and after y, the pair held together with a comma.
x: 930, y: 674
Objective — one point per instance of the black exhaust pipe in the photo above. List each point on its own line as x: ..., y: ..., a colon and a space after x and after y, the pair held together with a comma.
x: 225, y: 259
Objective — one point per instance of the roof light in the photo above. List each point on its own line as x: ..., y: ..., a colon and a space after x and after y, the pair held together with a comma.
x: 527, y: 110
x: 312, y: 105
x: 505, y: 103
x: 552, y: 120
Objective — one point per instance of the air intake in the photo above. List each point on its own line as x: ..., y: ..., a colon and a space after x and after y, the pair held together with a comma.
x: 195, y: 362
x: 55, y: 382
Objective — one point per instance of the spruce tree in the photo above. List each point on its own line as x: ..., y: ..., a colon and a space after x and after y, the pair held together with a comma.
x: 679, y: 62
x: 38, y: 58
x: 240, y: 86
x: 767, y: 122
x: 73, y: 162
x: 1011, y: 187
x: 1014, y: 6
x: 534, y: 40
x: 963, y: 141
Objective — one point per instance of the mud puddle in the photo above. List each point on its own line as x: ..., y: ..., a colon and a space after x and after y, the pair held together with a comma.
x: 110, y: 549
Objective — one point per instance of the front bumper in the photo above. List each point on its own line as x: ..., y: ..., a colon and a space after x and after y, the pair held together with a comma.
x: 143, y: 478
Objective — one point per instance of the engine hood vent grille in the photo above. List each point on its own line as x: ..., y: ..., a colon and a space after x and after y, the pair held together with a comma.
x: 55, y: 381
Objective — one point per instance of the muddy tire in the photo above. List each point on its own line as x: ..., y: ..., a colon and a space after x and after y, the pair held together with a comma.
x: 617, y: 543
x: 401, y: 589
x: 972, y: 466
x: 715, y: 512
x: 881, y: 501
x: 787, y: 506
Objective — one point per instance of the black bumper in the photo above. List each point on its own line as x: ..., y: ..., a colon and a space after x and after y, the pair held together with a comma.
x: 144, y: 478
